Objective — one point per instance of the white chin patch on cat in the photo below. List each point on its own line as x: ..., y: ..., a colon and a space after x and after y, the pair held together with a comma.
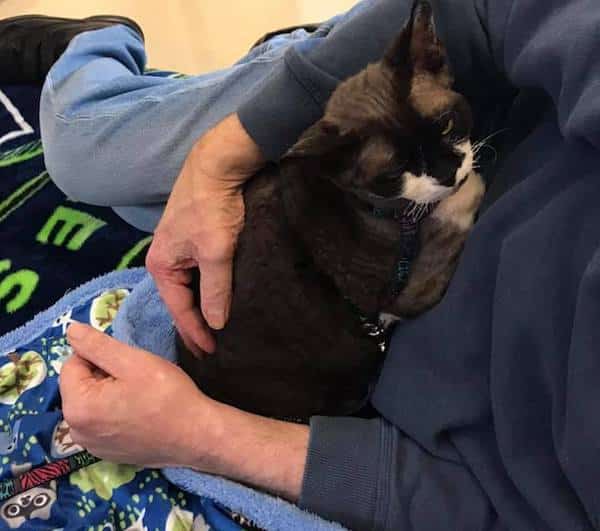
x: 465, y: 149
x: 423, y: 188
x: 426, y: 189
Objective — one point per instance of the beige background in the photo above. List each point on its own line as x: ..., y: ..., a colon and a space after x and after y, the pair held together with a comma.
x: 192, y: 36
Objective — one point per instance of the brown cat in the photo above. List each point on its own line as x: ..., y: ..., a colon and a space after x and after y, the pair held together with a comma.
x: 326, y: 231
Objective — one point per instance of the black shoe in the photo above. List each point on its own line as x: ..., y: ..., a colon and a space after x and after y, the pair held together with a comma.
x: 31, y: 44
x: 308, y: 27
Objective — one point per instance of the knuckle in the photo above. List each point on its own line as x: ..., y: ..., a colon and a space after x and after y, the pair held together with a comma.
x: 153, y: 260
x: 215, y: 294
x: 220, y: 247
x: 160, y: 251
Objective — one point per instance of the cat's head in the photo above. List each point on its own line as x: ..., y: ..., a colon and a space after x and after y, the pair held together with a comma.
x: 395, y: 131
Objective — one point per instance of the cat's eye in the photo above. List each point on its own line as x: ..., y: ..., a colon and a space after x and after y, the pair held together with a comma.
x: 449, y: 127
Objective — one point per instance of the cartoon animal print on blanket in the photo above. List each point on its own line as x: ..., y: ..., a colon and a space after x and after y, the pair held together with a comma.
x: 62, y: 444
x: 103, y: 496
x: 33, y: 504
x: 21, y: 373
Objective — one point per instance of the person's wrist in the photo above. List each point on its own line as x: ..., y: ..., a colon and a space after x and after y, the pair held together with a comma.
x: 230, y: 150
x: 259, y: 451
x: 202, y: 428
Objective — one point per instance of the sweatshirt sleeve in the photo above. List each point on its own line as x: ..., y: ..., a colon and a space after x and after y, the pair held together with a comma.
x: 366, y: 474
x: 295, y: 94
x: 371, y: 475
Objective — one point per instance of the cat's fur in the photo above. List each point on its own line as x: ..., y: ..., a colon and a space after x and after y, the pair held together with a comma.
x: 312, y: 255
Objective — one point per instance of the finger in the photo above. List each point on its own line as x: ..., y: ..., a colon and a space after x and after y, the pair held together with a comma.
x: 74, y: 375
x: 191, y: 345
x: 113, y: 357
x: 76, y: 369
x: 179, y: 299
x: 172, y: 278
x: 215, y: 292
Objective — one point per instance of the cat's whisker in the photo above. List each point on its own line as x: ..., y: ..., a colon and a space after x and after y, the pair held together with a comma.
x: 493, y: 149
x: 411, y: 212
x: 478, y: 146
x: 489, y: 137
x: 418, y: 210
x: 483, y: 143
x: 415, y: 211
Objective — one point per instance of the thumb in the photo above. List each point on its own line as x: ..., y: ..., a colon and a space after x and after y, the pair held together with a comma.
x: 75, y: 376
x: 101, y: 350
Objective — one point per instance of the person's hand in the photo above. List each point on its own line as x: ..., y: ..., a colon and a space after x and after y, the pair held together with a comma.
x: 199, y: 229
x: 127, y: 405
x: 130, y: 406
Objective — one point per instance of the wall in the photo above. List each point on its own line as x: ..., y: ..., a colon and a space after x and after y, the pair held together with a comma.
x: 192, y: 36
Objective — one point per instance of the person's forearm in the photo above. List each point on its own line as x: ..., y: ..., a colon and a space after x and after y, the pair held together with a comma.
x: 265, y: 453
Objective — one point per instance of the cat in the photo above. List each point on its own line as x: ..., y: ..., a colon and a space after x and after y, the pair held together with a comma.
x: 319, y: 254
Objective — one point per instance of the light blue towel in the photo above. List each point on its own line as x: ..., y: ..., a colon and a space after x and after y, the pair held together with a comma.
x: 144, y: 322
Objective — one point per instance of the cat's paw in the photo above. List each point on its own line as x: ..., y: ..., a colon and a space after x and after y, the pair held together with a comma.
x: 460, y: 208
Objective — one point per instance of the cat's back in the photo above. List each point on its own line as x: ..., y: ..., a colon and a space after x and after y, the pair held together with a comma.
x: 289, y: 335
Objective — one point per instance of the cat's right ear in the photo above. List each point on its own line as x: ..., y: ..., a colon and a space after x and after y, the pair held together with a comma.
x: 418, y: 49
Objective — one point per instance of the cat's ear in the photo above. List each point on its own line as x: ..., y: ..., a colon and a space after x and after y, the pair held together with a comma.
x: 319, y: 139
x: 418, y: 48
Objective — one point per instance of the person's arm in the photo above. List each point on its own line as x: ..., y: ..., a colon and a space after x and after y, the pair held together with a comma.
x: 367, y: 474
x: 362, y: 473
x: 295, y: 94
x: 105, y: 388
x: 205, y: 212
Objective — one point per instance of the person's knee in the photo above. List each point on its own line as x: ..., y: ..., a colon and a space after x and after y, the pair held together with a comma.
x: 69, y: 155
x: 64, y: 156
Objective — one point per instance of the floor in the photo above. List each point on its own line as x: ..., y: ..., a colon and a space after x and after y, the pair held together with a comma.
x: 192, y: 36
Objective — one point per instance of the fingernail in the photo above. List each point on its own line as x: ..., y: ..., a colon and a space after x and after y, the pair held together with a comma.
x: 76, y: 331
x: 216, y: 320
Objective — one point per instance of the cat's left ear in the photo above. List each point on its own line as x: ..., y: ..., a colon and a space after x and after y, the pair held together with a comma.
x: 418, y: 49
x: 318, y: 140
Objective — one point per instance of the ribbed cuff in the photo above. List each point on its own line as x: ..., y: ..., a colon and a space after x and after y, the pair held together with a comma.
x: 286, y: 103
x: 343, y: 478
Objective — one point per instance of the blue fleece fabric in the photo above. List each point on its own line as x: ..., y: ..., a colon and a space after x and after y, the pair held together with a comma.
x: 143, y: 321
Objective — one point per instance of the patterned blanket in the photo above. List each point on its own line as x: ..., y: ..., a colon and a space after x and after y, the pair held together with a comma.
x: 48, y: 243
x: 103, y: 496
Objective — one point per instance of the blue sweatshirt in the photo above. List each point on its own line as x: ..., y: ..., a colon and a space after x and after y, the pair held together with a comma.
x: 490, y: 403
